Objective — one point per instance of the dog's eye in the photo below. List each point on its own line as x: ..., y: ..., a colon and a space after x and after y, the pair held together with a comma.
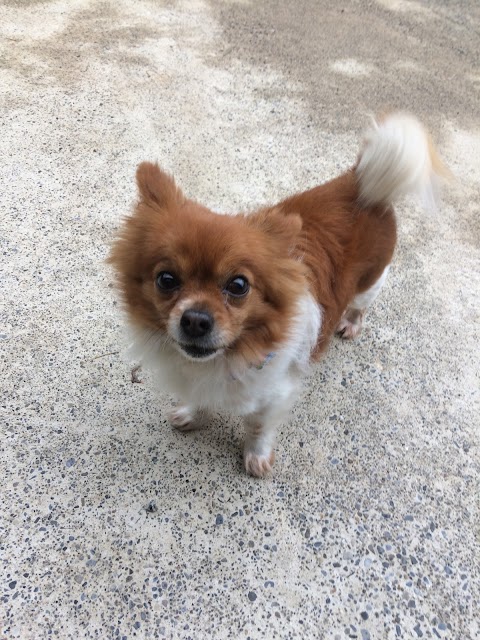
x: 167, y: 281
x: 237, y: 287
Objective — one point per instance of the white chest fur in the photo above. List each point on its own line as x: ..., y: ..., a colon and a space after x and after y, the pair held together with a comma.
x: 215, y: 385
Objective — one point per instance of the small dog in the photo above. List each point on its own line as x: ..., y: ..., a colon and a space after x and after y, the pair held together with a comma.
x: 230, y: 311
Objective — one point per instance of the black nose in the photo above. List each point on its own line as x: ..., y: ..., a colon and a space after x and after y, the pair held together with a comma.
x: 196, y: 324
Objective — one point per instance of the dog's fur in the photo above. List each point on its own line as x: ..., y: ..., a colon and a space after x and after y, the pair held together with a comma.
x: 313, y: 263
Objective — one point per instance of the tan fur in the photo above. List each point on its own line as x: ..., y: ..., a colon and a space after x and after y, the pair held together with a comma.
x: 345, y: 247
x: 167, y: 231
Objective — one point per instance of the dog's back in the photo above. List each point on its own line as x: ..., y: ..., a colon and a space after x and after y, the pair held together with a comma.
x: 349, y: 229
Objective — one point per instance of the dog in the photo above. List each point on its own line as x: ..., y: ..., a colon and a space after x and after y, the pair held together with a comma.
x: 230, y: 311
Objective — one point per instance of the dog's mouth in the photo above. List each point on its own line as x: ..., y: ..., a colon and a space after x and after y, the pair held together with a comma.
x: 195, y: 351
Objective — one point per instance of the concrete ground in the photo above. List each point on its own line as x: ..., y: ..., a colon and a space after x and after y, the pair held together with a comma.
x: 112, y: 525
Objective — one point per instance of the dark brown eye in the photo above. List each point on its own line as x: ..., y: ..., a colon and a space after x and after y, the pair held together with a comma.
x: 167, y: 281
x: 237, y: 287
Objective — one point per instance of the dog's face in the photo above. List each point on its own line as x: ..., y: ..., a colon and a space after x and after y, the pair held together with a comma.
x: 207, y: 283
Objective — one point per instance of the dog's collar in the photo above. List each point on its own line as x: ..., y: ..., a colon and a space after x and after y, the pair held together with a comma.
x: 265, y: 361
x: 259, y: 366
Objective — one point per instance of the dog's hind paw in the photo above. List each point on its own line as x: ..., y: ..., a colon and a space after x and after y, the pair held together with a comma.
x: 350, y: 324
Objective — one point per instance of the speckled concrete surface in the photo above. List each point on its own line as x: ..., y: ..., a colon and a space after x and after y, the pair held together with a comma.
x: 113, y: 526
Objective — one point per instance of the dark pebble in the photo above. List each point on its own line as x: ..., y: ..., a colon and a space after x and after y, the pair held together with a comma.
x: 151, y: 507
x: 252, y: 596
x: 219, y: 519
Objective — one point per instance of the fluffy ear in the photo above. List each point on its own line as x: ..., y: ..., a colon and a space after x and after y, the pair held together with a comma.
x: 282, y: 226
x: 157, y: 187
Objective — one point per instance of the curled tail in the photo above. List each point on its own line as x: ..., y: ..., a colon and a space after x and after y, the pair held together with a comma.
x: 398, y: 157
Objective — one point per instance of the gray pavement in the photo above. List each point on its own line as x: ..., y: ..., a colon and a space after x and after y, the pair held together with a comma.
x: 114, y: 526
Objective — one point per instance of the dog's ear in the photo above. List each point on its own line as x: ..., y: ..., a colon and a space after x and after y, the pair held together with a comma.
x: 156, y: 187
x: 281, y: 226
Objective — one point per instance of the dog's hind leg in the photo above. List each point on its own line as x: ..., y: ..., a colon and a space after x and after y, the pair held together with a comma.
x: 351, y: 321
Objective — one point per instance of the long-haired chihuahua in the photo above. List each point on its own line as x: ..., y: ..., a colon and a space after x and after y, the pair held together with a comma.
x: 231, y: 310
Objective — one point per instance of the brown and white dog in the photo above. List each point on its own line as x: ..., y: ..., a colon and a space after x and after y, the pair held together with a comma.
x: 230, y: 311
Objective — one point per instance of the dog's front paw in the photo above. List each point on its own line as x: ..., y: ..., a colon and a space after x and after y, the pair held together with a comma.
x: 258, y: 465
x: 182, y: 418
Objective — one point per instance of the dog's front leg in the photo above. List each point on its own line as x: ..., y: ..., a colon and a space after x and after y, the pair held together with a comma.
x: 260, y: 433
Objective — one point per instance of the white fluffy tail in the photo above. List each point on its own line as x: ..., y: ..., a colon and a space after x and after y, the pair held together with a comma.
x: 398, y: 157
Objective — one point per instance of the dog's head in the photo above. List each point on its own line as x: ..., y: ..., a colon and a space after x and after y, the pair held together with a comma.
x: 207, y: 283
